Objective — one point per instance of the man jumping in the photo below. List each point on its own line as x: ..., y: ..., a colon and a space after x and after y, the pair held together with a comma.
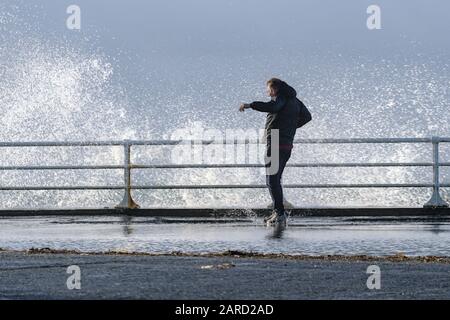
x: 282, y: 114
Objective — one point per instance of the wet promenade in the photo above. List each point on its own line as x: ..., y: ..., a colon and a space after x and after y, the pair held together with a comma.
x: 373, y: 236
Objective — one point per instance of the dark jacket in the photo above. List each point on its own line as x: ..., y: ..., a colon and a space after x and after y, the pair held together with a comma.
x: 282, y: 114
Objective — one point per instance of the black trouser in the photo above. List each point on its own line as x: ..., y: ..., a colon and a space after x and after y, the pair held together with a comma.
x: 273, y: 181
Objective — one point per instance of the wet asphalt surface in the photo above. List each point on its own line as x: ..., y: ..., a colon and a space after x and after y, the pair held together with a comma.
x: 164, y: 276
x: 44, y: 276
x: 380, y: 236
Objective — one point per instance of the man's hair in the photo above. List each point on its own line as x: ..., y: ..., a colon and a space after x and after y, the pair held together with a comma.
x: 276, y: 84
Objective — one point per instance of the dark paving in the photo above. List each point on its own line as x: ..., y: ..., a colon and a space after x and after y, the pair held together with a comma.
x: 209, y: 212
x: 43, y: 276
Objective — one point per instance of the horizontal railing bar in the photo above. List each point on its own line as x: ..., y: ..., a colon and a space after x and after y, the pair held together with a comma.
x: 257, y: 186
x: 60, y: 167
x: 250, y: 186
x: 366, y: 140
x: 6, y: 188
x: 200, y: 166
x: 61, y: 143
x: 296, y: 141
x: 243, y: 186
x: 295, y: 165
x: 444, y: 164
x: 235, y: 141
x: 206, y: 166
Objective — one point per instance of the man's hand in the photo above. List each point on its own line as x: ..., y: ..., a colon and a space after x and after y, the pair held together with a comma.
x: 243, y: 107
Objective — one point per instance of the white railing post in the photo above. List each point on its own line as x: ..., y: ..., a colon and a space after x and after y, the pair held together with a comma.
x: 127, y: 202
x: 436, y: 200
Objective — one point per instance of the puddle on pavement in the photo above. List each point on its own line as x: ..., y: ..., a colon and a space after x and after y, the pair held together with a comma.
x: 303, y: 236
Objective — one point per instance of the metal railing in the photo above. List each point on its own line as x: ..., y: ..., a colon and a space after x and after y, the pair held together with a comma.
x: 129, y: 203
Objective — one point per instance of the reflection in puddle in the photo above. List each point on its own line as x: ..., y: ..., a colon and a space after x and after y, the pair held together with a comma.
x: 276, y: 232
x: 305, y: 236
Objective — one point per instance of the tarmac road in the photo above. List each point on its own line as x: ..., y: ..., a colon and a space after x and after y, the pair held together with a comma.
x: 107, y: 276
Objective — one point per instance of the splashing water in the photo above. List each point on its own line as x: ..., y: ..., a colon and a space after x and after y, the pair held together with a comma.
x: 52, y: 90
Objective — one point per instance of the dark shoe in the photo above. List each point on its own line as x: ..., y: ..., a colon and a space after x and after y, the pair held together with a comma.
x: 272, y: 216
x: 278, y: 218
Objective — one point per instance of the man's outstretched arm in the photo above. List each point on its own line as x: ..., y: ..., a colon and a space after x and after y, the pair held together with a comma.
x: 272, y: 106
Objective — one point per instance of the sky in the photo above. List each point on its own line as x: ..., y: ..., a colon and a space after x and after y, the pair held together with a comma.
x: 243, y: 27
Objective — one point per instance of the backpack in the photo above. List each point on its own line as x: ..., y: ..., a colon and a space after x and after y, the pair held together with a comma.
x: 304, y: 116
